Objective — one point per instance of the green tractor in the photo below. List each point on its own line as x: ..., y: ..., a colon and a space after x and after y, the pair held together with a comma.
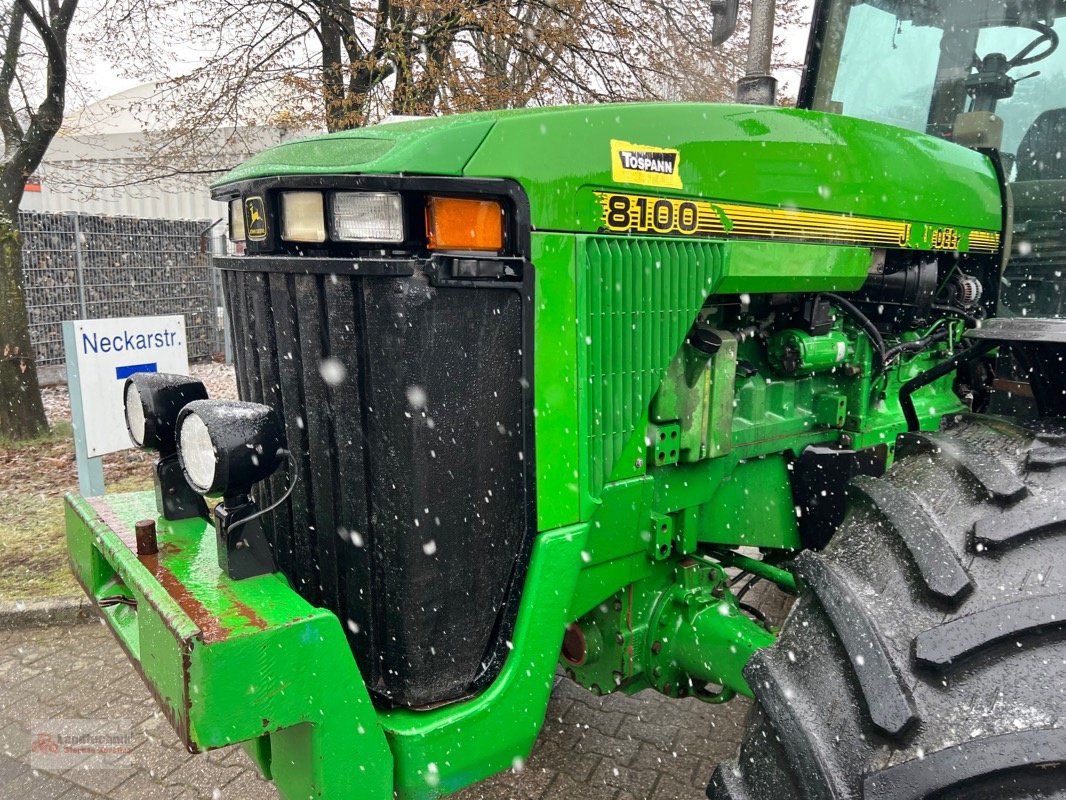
x: 543, y: 389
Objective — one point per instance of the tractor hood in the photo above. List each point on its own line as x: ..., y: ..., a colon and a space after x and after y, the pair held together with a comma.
x: 752, y: 164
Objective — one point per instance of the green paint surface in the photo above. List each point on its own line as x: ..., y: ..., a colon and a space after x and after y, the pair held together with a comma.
x: 771, y: 157
x: 774, y: 157
x: 429, y: 147
x: 448, y: 748
x: 788, y: 267
x: 555, y: 380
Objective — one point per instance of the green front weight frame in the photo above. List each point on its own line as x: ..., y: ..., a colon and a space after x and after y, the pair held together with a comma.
x: 251, y: 662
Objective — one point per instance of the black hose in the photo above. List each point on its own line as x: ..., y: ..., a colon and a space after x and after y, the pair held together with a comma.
x: 753, y: 611
x: 864, y: 323
x: 973, y: 321
x: 916, y: 345
x: 972, y: 353
x: 738, y: 578
x: 747, y: 586
x: 276, y: 503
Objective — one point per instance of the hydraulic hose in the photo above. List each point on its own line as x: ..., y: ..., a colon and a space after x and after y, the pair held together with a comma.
x: 971, y: 320
x: 781, y: 577
x: 915, y: 346
x: 973, y: 353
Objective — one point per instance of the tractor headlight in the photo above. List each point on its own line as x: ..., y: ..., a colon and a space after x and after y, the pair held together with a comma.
x: 367, y: 217
x: 236, y: 220
x: 152, y: 403
x: 303, y: 217
x: 227, y: 446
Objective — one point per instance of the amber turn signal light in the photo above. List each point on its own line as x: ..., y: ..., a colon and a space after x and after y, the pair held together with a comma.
x: 455, y: 223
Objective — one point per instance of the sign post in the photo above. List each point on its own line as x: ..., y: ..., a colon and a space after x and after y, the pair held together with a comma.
x: 90, y: 470
x: 101, y: 354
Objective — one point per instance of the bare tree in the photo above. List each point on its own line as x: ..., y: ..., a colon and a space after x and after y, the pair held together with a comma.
x: 33, y: 82
x: 341, y: 64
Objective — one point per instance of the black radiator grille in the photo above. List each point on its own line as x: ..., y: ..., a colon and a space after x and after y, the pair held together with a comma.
x: 406, y: 406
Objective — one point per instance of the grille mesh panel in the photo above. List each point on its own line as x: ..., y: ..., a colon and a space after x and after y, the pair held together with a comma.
x: 403, y: 404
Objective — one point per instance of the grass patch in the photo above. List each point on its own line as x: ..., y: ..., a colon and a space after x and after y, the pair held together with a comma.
x: 59, y: 432
x: 33, y: 543
x: 33, y: 548
x: 34, y: 474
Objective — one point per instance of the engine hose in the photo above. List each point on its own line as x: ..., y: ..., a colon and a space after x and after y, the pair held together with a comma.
x: 971, y: 320
x: 916, y: 345
x: 864, y: 323
x: 972, y: 353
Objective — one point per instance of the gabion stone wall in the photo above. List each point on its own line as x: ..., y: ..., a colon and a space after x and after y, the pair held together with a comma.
x: 85, y: 266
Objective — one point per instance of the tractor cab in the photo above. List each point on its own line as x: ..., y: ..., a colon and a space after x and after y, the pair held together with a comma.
x: 987, y: 75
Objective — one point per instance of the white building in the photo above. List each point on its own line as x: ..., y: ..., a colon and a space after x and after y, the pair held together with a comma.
x: 97, y: 164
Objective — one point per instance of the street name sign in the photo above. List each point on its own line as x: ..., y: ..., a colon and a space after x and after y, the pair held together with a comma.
x: 101, y: 354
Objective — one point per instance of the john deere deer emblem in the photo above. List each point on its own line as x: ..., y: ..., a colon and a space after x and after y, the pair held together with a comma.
x: 257, y: 227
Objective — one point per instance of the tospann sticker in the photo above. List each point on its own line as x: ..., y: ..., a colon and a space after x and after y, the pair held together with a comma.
x: 645, y: 165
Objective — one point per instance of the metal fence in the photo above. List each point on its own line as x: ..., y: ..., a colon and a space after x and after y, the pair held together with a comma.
x: 82, y: 266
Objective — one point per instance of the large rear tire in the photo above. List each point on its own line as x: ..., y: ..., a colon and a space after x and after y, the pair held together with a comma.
x: 926, y: 654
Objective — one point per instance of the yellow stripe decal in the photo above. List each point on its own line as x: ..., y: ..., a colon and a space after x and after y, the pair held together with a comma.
x: 671, y: 216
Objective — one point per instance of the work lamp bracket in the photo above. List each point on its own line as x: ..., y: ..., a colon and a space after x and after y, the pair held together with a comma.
x: 243, y: 551
x: 174, y: 498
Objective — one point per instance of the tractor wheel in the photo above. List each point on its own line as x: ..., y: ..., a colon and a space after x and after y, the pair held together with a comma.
x: 926, y: 654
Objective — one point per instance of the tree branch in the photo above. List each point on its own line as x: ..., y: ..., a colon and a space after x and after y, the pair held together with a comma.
x: 9, y: 124
x: 46, y: 120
